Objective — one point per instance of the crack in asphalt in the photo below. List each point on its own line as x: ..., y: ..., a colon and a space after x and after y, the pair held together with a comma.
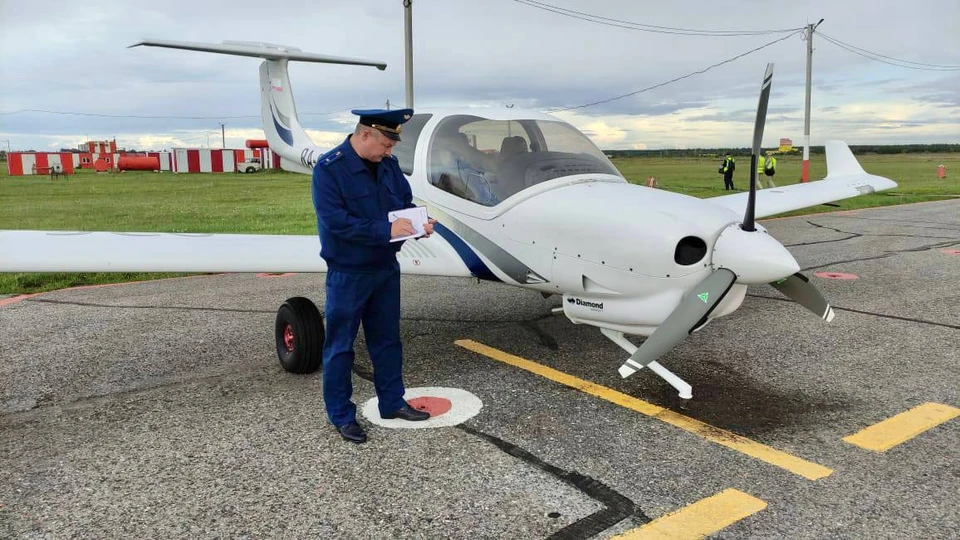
x: 906, y: 223
x: 864, y: 312
x: 617, y: 507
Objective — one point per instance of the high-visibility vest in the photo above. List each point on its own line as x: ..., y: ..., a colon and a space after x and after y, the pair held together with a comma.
x: 772, y: 164
x: 727, y: 162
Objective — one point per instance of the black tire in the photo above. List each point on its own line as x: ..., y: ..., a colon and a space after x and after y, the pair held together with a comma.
x: 250, y: 169
x: 299, y: 335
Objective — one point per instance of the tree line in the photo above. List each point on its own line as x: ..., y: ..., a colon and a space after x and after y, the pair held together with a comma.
x: 856, y: 148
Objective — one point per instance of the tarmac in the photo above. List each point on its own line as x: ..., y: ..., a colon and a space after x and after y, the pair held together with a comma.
x: 159, y: 410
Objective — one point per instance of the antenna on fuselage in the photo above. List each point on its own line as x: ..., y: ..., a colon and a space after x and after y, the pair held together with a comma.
x: 408, y: 48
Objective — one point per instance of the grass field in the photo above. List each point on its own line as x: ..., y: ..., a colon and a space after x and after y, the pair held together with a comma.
x: 280, y: 202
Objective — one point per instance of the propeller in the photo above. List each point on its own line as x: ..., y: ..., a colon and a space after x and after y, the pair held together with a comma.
x: 799, y: 289
x: 687, y: 317
x: 748, y: 216
x: 739, y: 254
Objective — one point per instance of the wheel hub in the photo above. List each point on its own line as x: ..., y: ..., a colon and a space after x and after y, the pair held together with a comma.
x: 288, y: 338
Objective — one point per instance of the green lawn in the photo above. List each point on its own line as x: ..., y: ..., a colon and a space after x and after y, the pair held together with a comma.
x: 280, y: 202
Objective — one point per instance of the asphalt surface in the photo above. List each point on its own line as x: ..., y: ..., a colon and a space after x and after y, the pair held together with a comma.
x: 158, y: 410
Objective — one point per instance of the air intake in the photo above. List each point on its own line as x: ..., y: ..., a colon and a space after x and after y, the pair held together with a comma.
x: 690, y: 250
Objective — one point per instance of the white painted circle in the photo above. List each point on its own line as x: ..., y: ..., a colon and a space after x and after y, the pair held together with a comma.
x: 463, y: 406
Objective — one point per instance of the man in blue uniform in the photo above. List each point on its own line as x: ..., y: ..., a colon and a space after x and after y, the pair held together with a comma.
x: 355, y: 185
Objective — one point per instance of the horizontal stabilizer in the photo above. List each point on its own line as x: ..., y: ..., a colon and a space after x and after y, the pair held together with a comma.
x: 266, y: 51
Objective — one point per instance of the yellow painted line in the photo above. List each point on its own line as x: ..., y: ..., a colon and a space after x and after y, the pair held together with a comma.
x: 885, y: 435
x: 699, y: 519
x: 801, y: 467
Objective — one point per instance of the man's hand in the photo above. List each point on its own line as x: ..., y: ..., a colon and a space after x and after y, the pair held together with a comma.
x: 401, y: 227
x: 428, y: 227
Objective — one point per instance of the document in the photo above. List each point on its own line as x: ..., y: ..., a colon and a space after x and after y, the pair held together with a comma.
x: 417, y: 216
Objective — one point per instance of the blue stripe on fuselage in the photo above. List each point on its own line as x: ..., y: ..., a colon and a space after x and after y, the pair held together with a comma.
x: 473, y: 262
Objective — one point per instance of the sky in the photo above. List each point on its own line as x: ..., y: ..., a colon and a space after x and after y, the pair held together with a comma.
x: 74, y: 58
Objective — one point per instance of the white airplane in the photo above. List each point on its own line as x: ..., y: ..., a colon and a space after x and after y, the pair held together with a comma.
x: 522, y: 198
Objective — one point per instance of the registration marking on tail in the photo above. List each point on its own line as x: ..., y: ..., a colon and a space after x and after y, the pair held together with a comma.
x: 701, y: 518
x: 898, y: 429
x: 791, y: 463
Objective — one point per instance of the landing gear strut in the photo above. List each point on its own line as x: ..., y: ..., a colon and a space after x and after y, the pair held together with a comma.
x: 299, y: 335
x: 686, y: 391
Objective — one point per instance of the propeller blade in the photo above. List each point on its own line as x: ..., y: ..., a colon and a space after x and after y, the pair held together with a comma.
x: 799, y: 289
x: 687, y: 317
x: 748, y: 217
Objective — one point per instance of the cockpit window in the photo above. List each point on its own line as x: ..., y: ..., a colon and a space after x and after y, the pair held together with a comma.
x: 404, y: 149
x: 487, y: 161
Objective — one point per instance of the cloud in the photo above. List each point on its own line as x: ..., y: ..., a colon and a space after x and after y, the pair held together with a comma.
x: 74, y: 58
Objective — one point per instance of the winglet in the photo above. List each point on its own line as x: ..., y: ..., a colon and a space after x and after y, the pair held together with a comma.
x: 840, y: 160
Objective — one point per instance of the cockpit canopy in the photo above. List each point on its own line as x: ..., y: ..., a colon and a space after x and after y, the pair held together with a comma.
x: 486, y: 161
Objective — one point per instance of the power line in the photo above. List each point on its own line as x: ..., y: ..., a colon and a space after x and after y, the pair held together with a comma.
x: 704, y: 70
x: 629, y: 25
x: 889, y: 59
x: 142, y: 117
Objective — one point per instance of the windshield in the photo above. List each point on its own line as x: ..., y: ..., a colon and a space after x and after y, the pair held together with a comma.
x: 487, y: 161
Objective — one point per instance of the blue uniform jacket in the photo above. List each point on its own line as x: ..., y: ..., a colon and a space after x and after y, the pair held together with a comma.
x: 352, y: 209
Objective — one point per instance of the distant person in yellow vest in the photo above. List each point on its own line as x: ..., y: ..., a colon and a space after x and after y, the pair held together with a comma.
x: 726, y: 169
x: 769, y: 167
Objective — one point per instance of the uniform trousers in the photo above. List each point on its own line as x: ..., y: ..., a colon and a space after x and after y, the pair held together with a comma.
x: 373, y: 299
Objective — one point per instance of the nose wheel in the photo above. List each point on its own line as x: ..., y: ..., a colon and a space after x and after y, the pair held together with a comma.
x: 299, y: 335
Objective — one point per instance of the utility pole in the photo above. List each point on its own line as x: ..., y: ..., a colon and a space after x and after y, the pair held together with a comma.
x: 8, y: 145
x: 223, y: 136
x: 805, y: 171
x: 408, y: 48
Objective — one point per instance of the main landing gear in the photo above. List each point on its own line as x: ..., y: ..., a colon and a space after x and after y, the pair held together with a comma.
x: 299, y: 334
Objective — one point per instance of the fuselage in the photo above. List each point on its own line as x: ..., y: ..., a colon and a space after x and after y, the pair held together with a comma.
x: 537, y: 205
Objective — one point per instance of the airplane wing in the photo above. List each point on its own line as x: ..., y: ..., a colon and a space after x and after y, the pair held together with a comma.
x: 63, y: 251
x: 845, y: 179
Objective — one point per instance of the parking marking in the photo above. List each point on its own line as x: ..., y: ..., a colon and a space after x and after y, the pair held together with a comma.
x: 794, y: 464
x: 701, y: 518
x: 884, y: 435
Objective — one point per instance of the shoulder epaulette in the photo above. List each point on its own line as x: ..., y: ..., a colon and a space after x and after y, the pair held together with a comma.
x: 330, y: 157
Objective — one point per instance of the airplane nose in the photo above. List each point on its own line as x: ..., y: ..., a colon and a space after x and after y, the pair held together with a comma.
x: 754, y: 256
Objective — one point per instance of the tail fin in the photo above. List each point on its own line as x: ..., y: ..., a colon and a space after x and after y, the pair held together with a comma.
x: 281, y: 126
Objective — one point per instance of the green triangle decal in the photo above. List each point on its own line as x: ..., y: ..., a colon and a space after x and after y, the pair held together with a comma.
x: 704, y: 296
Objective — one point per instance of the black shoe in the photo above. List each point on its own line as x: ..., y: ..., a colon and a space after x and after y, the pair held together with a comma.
x: 407, y: 413
x: 353, y: 432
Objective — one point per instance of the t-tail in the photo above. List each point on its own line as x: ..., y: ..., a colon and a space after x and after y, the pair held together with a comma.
x: 285, y: 135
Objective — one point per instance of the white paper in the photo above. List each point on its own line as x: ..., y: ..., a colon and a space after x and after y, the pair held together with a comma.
x: 417, y: 216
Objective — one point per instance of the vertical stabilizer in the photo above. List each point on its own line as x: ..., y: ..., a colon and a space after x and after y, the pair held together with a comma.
x: 280, y: 123
x: 284, y: 134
